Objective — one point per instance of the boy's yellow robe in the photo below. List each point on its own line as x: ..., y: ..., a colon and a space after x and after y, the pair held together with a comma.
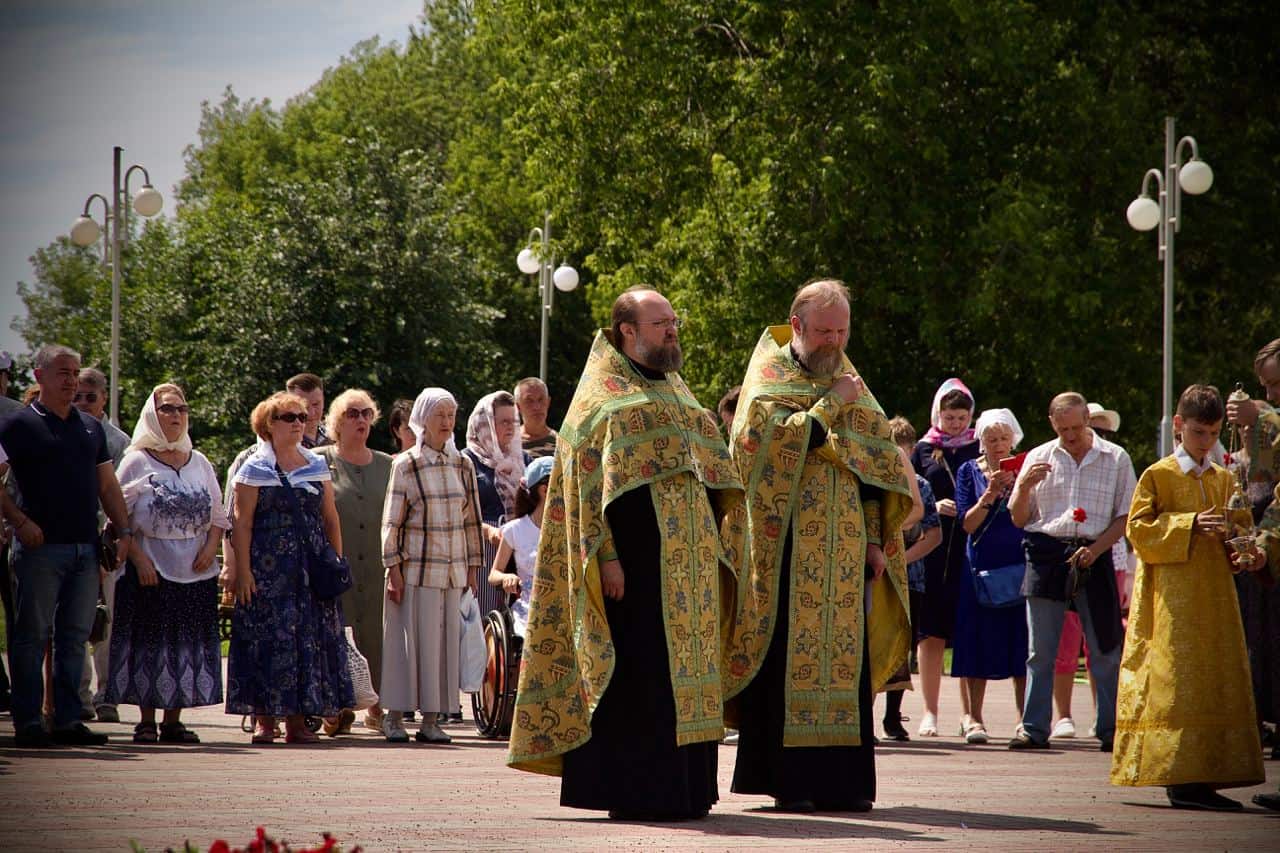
x: 815, y: 496
x: 1185, y: 711
x: 624, y: 431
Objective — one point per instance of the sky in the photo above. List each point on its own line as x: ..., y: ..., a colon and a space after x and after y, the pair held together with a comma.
x: 82, y: 76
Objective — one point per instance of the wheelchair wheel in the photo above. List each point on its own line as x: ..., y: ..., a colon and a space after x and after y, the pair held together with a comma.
x: 494, y: 704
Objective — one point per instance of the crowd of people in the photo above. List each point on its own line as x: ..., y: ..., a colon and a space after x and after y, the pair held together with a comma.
x: 667, y: 571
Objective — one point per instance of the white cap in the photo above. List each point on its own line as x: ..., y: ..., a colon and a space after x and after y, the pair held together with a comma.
x: 1110, y: 417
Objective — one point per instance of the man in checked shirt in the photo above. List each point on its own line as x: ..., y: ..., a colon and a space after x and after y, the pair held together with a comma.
x: 1072, y: 502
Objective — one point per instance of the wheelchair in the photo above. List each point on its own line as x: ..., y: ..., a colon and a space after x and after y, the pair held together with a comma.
x: 494, y: 704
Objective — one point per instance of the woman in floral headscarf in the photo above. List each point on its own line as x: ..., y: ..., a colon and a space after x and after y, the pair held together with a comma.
x: 165, y: 651
x: 949, y: 443
x: 493, y: 446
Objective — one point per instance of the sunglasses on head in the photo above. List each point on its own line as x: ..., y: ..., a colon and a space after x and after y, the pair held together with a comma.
x: 291, y: 417
x: 172, y: 408
x: 352, y: 414
x: 87, y: 396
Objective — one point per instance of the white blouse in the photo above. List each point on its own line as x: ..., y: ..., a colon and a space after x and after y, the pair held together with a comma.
x: 522, y: 536
x: 171, y: 511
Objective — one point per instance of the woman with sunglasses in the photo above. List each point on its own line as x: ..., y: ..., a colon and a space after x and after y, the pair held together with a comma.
x: 360, y: 476
x: 165, y: 649
x: 288, y: 655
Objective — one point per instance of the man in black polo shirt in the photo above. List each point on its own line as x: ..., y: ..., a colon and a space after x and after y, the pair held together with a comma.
x: 59, y: 457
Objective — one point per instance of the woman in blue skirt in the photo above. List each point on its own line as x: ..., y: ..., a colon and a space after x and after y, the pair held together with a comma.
x: 288, y: 654
x: 164, y: 650
x: 989, y: 643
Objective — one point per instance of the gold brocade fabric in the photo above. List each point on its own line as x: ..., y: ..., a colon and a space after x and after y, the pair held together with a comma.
x: 1264, y: 447
x: 622, y: 432
x: 1264, y: 464
x: 816, y: 497
x: 1185, y: 709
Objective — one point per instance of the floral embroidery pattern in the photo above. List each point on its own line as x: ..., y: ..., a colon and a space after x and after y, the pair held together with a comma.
x: 623, y: 432
x: 815, y: 497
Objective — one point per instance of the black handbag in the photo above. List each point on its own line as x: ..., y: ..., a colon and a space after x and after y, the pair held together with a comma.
x: 328, y: 573
x: 101, y: 619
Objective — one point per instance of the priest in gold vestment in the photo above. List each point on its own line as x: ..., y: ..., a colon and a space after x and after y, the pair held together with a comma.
x: 620, y: 687
x: 827, y: 493
x: 1185, y: 715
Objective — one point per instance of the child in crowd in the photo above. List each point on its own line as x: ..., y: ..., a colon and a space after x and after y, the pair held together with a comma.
x: 1185, y: 713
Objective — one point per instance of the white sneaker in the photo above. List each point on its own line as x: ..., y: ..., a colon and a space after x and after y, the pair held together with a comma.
x: 1066, y: 728
x: 393, y: 728
x: 1093, y: 730
x: 928, y: 725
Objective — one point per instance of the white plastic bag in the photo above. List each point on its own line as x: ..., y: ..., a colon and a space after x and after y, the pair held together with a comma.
x: 471, y: 650
x: 358, y: 667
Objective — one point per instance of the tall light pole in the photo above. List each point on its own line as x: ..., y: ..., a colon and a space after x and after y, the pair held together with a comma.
x: 116, y: 221
x: 1145, y: 213
x: 540, y: 261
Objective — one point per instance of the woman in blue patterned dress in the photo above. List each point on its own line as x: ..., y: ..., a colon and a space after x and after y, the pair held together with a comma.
x: 990, y: 642
x: 164, y: 650
x: 288, y: 654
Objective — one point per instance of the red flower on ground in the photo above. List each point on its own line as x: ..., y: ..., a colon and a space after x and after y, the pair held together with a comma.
x: 1079, y: 515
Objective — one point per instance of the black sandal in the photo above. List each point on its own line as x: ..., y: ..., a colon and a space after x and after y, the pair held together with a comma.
x: 145, y: 733
x: 177, y: 733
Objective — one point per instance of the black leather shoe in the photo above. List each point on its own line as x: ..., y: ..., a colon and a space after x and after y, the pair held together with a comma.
x: 34, y: 737
x: 893, y: 730
x: 78, y: 735
x: 1107, y: 746
x: 1200, y: 797
x: 1267, y: 801
x: 799, y: 806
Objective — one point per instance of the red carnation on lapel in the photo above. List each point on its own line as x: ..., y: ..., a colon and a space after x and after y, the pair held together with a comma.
x: 1079, y: 515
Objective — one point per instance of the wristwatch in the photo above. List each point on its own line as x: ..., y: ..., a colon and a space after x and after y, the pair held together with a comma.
x: 123, y: 532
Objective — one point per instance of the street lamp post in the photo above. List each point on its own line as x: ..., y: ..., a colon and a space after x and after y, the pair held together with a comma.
x: 540, y: 261
x: 116, y: 221
x: 1145, y: 213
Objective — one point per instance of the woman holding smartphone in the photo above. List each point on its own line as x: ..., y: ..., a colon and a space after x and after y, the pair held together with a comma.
x: 990, y: 643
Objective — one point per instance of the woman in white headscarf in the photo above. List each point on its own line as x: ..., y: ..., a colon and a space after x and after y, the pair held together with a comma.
x: 165, y: 650
x: 990, y: 643
x: 432, y: 550
x: 494, y: 448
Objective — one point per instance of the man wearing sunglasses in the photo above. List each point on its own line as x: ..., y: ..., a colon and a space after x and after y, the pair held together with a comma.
x: 91, y: 399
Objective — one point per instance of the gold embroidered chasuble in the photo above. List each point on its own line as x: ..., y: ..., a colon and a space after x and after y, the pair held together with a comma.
x: 624, y: 431
x: 1184, y: 711
x: 815, y: 496
x: 1264, y: 464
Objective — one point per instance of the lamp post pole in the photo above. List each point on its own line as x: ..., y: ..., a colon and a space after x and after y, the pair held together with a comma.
x: 116, y: 221
x: 117, y: 224
x: 546, y: 292
x: 1144, y: 214
x: 550, y: 279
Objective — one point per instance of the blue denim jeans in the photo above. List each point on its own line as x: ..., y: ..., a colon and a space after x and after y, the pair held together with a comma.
x: 56, y: 594
x: 1044, y: 631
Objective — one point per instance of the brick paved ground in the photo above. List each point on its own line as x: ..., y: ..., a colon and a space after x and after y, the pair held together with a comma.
x: 934, y: 795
